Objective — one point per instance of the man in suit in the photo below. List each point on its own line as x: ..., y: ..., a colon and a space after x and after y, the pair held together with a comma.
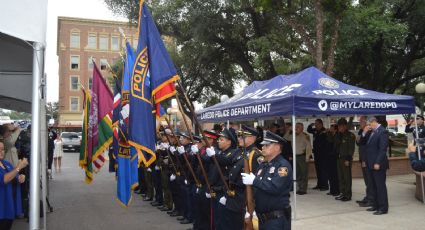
x: 377, y: 165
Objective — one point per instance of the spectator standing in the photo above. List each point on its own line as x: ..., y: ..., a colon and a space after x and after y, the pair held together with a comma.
x: 10, y: 197
x: 361, y: 142
x: 58, y: 154
x: 10, y: 135
x: 320, y: 153
x: 377, y: 165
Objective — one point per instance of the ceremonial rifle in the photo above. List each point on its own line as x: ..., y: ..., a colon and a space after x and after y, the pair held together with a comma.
x: 169, y: 155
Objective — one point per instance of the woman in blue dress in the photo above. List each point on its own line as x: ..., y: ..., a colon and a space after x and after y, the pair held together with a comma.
x: 10, y: 194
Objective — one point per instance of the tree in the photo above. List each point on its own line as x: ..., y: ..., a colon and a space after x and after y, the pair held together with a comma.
x: 52, y: 110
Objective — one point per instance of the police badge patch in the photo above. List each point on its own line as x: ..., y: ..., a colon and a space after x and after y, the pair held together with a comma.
x: 272, y: 170
x: 282, y: 171
x: 260, y: 159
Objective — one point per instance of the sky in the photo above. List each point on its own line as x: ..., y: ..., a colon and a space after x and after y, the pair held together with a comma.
x: 93, y: 9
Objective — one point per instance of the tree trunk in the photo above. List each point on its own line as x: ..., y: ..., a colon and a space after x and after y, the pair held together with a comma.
x: 331, y: 55
x: 319, y: 34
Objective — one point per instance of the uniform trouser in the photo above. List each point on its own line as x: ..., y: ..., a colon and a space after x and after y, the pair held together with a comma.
x: 217, y: 209
x: 6, y: 224
x: 344, y: 178
x: 165, y: 181
x: 187, y: 203
x: 317, y: 167
x: 142, y: 180
x: 156, y: 179
x: 322, y: 172
x: 230, y: 220
x: 49, y: 160
x: 366, y: 179
x: 302, y: 173
x: 378, y: 188
x: 148, y: 183
x: 177, y: 195
x: 332, y: 166
x: 276, y: 224
x: 203, y: 206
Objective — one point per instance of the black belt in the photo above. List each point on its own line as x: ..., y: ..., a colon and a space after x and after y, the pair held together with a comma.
x: 264, y: 217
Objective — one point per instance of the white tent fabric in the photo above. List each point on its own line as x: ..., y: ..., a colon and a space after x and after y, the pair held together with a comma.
x: 23, y: 23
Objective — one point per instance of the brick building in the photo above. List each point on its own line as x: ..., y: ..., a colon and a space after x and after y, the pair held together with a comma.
x: 78, y: 41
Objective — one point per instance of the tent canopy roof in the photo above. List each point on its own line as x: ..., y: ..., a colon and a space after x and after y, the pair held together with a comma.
x: 309, y: 92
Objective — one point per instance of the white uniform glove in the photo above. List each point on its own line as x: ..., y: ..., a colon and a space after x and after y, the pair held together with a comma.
x: 172, y: 177
x: 210, y: 151
x: 194, y: 149
x: 158, y: 147
x: 248, y: 179
x: 223, y: 200
x: 149, y: 170
x: 207, y: 195
x: 164, y: 146
x: 181, y: 149
x: 157, y: 167
x: 172, y: 149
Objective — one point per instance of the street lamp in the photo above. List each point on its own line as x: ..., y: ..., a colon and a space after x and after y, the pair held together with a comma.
x: 420, y: 89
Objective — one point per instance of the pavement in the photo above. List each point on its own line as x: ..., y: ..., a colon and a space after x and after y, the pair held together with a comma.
x: 80, y: 206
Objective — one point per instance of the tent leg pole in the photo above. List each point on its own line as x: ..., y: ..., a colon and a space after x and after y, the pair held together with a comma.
x: 34, y: 202
x: 419, y: 156
x: 44, y: 150
x: 294, y: 160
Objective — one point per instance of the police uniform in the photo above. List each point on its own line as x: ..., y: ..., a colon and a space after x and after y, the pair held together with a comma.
x: 345, y: 144
x: 232, y: 162
x: 320, y: 156
x: 421, y: 128
x: 272, y: 184
x: 166, y: 168
x: 156, y: 179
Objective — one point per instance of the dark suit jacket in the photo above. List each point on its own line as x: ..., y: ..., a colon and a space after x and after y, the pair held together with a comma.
x: 362, y: 144
x: 376, y: 149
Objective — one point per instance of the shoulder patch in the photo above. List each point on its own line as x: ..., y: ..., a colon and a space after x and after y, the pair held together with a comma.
x: 260, y: 159
x: 282, y: 171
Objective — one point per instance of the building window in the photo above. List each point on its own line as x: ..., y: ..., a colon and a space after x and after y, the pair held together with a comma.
x: 90, y: 62
x: 115, y: 43
x: 90, y: 82
x: 74, y: 104
x: 92, y: 41
x: 75, y: 40
x: 135, y: 43
x: 75, y: 62
x: 103, y: 42
x: 74, y: 83
x: 103, y: 64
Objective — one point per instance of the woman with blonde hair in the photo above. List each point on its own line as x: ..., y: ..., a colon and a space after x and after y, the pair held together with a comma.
x: 58, y: 154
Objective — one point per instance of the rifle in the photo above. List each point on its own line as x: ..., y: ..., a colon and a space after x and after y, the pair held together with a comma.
x: 204, y: 173
x: 198, y: 126
x: 185, y: 157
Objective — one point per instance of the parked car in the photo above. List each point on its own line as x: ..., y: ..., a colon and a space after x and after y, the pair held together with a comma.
x: 70, y: 141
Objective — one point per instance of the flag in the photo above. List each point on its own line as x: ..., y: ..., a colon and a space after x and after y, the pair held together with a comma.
x: 84, y: 147
x: 100, y: 120
x: 127, y: 159
x: 152, y: 81
x: 115, y: 124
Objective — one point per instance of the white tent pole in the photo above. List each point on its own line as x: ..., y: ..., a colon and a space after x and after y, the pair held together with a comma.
x: 294, y: 160
x: 228, y: 124
x: 43, y: 147
x: 419, y: 156
x: 34, y: 203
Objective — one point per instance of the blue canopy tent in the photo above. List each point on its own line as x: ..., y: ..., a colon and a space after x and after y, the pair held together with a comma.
x: 306, y: 93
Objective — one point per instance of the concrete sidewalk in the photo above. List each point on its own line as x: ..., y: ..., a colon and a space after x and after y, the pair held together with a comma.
x: 80, y: 206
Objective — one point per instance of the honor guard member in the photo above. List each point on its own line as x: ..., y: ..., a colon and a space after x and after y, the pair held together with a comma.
x: 272, y: 184
x: 225, y: 156
x: 201, y: 204
x: 156, y: 176
x: 176, y: 178
x: 187, y: 186
x: 345, y: 143
x: 234, y: 199
x: 166, y: 169
x: 247, y: 137
x: 410, y: 127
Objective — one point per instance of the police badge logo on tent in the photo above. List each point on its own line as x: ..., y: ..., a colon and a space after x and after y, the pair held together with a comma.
x: 328, y: 83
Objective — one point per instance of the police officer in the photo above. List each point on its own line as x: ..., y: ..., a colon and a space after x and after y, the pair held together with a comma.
x: 272, y: 184
x: 176, y: 178
x: 410, y: 127
x: 416, y: 163
x: 156, y: 178
x: 188, y: 185
x: 345, y: 144
x: 247, y: 138
x: 320, y: 153
x: 224, y: 217
x: 166, y: 168
x: 233, y: 200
